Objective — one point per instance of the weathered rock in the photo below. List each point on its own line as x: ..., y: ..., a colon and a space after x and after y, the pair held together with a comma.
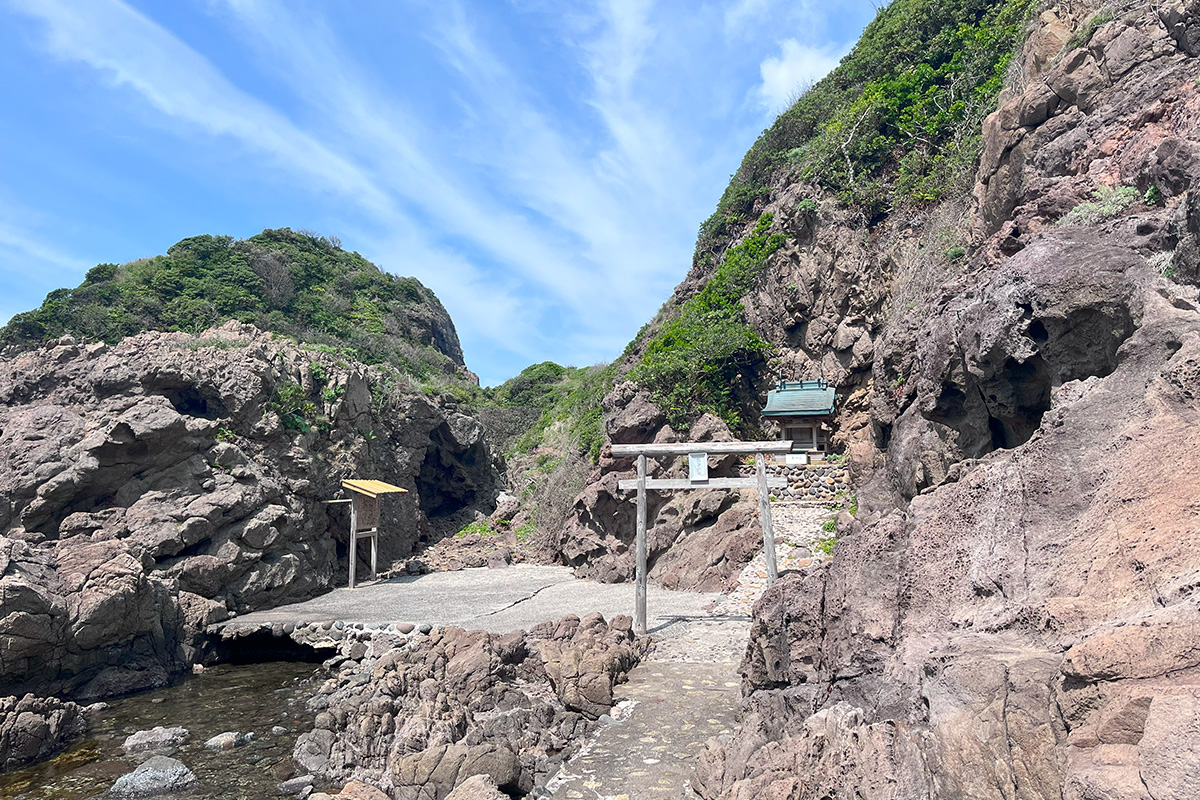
x: 477, y: 787
x: 296, y: 785
x: 149, y: 490
x: 354, y: 790
x: 433, y: 711
x: 1013, y: 612
x: 228, y: 740
x: 157, y: 738
x: 154, y: 777
x: 35, y: 728
x: 696, y: 540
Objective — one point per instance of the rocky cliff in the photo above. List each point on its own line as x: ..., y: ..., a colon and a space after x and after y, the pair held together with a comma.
x: 154, y: 486
x: 1013, y: 612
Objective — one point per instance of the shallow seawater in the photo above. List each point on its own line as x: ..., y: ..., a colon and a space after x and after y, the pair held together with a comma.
x: 252, y: 698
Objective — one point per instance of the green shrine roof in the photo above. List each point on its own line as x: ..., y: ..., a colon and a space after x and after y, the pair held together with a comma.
x: 803, y: 398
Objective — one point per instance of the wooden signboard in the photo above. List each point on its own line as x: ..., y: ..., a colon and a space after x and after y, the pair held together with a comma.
x: 364, y: 518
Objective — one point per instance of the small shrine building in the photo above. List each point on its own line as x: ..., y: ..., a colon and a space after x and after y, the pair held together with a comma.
x: 804, y: 411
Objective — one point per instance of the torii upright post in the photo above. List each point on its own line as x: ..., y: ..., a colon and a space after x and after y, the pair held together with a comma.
x: 701, y: 451
x: 764, y: 513
x: 639, y: 592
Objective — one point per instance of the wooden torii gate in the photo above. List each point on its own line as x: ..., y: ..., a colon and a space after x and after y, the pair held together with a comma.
x: 698, y: 453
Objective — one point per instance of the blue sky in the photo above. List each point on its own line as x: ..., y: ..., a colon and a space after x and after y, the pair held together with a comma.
x: 542, y: 165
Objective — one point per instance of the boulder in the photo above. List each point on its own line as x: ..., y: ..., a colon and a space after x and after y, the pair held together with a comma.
x: 228, y: 740
x: 477, y: 787
x: 296, y: 785
x: 157, y: 738
x: 34, y: 728
x: 429, y: 713
x: 154, y: 777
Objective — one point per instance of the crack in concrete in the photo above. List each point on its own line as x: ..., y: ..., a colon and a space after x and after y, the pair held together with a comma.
x: 517, y: 602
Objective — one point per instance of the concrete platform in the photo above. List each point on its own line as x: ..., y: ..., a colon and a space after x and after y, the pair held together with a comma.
x: 496, y: 600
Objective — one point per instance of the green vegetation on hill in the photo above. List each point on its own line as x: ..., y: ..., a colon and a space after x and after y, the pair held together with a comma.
x: 291, y: 283
x: 697, y: 360
x: 549, y: 424
x: 554, y: 396
x: 898, y: 121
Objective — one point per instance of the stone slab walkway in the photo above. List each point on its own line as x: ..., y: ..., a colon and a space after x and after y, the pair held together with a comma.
x: 666, y: 711
x: 684, y: 693
x: 687, y: 690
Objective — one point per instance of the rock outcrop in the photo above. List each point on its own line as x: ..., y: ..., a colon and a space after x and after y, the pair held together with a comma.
x: 153, y: 487
x: 35, y: 728
x: 426, y: 714
x: 1014, y: 611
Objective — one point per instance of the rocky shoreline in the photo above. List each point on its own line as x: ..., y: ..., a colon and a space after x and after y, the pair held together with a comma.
x: 412, y: 712
x: 418, y: 718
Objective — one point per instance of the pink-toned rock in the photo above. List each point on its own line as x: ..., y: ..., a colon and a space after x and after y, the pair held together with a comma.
x: 425, y: 717
x: 477, y: 787
x: 149, y: 491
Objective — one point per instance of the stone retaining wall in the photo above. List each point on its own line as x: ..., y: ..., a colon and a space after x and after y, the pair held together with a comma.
x: 806, y: 482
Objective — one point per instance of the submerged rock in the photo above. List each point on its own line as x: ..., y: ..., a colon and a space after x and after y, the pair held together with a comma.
x: 157, y: 775
x: 157, y: 738
x: 228, y: 740
x: 296, y: 785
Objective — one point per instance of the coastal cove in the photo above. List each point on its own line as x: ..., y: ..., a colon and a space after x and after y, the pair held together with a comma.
x: 896, y: 497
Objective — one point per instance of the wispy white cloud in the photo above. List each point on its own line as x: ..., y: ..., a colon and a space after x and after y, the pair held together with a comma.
x: 796, y: 66
x: 595, y: 202
x: 552, y: 217
x: 24, y: 246
x: 28, y: 259
x: 378, y: 130
x: 136, y: 53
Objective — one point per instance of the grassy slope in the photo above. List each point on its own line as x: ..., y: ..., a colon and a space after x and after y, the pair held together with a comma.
x: 896, y: 124
x: 291, y: 283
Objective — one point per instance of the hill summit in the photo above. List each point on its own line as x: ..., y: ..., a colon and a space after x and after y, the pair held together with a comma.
x: 294, y: 283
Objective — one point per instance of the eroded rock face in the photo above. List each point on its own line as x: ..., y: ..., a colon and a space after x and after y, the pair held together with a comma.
x: 424, y: 716
x: 149, y: 489
x: 1014, y: 612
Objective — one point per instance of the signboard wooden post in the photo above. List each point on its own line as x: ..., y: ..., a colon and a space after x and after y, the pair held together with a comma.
x: 697, y: 479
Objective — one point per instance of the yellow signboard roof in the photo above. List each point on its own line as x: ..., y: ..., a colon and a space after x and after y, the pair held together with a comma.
x: 372, y: 488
